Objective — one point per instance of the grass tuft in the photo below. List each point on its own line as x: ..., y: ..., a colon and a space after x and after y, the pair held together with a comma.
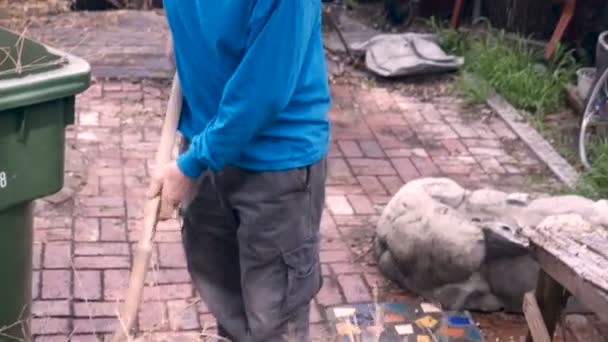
x: 519, y: 73
x: 510, y: 66
x: 593, y: 183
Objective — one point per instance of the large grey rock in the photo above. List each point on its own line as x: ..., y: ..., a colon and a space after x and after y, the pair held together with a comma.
x: 509, y: 278
x: 463, y: 249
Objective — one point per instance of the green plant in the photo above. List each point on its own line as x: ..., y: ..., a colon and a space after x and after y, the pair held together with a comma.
x: 474, y: 89
x: 563, y: 61
x: 511, y: 67
x: 593, y: 183
x: 452, y: 41
x: 515, y: 70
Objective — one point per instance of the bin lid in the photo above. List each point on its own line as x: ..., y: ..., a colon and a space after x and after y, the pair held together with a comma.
x: 31, y: 72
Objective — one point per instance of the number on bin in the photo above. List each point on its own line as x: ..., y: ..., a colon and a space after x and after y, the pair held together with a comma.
x: 3, y: 180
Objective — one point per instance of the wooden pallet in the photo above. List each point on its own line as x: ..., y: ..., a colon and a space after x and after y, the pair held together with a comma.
x: 574, y: 262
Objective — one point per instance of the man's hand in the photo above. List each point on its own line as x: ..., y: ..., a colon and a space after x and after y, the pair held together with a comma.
x: 173, y: 187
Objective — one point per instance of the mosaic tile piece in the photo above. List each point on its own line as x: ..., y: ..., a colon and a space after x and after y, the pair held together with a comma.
x: 391, y: 317
x: 423, y: 338
x: 429, y: 308
x: 459, y: 320
x: 347, y: 329
x: 402, y: 322
x: 474, y: 335
x: 426, y: 322
x: 396, y: 307
x: 453, y: 332
x: 344, y: 312
x: 404, y: 329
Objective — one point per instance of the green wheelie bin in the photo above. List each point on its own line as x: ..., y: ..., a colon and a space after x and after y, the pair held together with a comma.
x: 38, y: 86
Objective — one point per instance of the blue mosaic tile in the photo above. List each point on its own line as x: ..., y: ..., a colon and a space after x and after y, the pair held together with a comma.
x: 459, y: 321
x: 408, y: 313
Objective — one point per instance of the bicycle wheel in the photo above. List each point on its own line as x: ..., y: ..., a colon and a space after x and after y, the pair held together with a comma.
x: 594, y: 126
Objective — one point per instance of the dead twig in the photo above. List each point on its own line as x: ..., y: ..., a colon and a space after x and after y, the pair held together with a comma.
x: 20, y: 322
x: 205, y: 334
x: 364, y: 254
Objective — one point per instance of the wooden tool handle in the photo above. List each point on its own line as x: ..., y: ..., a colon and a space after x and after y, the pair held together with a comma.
x: 141, y: 261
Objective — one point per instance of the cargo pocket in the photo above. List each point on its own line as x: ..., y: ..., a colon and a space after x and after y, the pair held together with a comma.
x: 301, y: 176
x: 303, y: 274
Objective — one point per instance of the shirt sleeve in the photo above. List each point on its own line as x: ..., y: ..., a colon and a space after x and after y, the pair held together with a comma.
x: 261, y: 86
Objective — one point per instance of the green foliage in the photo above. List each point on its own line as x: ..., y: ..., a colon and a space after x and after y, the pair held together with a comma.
x: 512, y: 68
x: 474, y: 89
x: 593, y: 183
x: 518, y: 72
x: 453, y: 42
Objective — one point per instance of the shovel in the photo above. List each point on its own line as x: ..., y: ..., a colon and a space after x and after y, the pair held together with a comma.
x: 141, y: 262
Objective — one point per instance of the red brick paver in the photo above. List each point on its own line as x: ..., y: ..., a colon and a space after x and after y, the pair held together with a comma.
x: 381, y: 140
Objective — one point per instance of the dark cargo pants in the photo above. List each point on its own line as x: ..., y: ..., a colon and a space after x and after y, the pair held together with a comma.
x: 252, y: 245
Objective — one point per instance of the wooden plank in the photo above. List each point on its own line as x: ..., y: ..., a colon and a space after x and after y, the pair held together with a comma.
x: 592, y: 297
x: 551, y: 298
x: 536, y: 324
x: 562, y: 24
x: 585, y: 258
x: 573, y: 253
x: 584, y: 261
x: 597, y: 244
x: 458, y: 4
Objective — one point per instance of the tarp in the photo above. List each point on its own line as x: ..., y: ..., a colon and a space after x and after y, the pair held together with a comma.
x: 394, y: 55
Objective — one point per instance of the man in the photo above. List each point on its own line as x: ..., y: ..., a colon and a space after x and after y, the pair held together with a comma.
x: 256, y: 98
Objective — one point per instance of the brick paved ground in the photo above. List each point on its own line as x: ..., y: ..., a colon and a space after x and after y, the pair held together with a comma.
x: 117, y: 44
x: 380, y: 140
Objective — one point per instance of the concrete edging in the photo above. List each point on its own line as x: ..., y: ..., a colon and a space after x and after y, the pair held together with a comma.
x: 541, y: 147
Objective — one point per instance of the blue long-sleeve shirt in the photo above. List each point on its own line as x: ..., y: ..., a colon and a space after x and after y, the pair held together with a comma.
x: 254, y: 80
